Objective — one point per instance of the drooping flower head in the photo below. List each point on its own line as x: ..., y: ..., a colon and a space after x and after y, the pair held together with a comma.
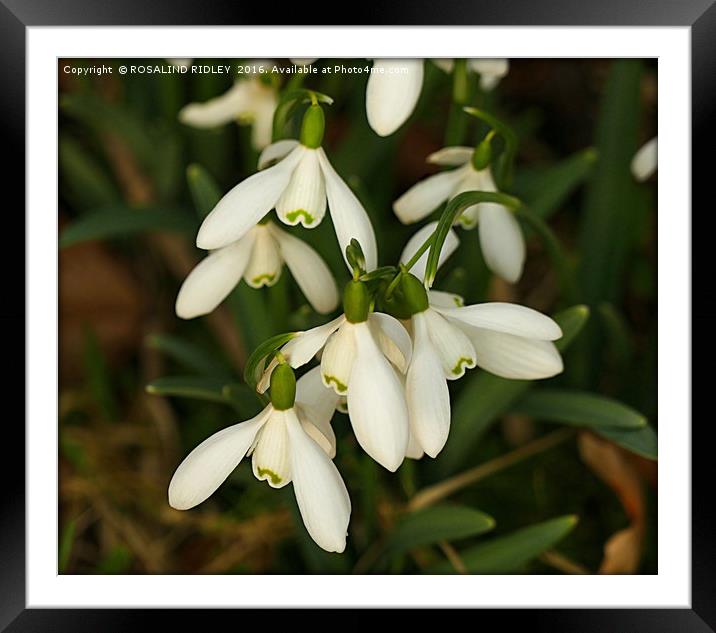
x: 290, y: 441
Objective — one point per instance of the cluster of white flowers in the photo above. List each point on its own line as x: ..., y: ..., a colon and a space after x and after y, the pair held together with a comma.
x: 388, y: 358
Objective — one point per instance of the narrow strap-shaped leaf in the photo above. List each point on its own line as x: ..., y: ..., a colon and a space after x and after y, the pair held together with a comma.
x: 191, y: 356
x: 255, y: 363
x: 641, y: 441
x: 511, y: 552
x: 205, y: 191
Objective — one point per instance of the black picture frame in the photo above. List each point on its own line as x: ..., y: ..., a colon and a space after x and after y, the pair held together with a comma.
x: 17, y: 15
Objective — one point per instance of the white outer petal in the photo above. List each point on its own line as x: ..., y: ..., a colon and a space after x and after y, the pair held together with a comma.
x: 452, y: 241
x: 309, y: 270
x: 502, y: 242
x: 305, y: 195
x: 515, y: 357
x: 246, y: 204
x: 376, y: 403
x: 451, y: 344
x: 451, y: 156
x: 276, y: 151
x: 219, y: 110
x: 320, y: 492
x: 391, y: 98
x: 317, y: 404
x: 427, y: 392
x: 414, y: 450
x: 506, y: 317
x: 422, y: 199
x: 392, y: 338
x: 265, y: 264
x: 490, y: 71
x: 301, y: 349
x: 271, y: 459
x: 644, y: 163
x: 441, y: 299
x: 213, y: 278
x: 337, y: 359
x: 350, y: 219
x: 210, y: 463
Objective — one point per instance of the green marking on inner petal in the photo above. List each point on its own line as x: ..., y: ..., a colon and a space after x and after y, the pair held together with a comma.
x: 266, y: 278
x: 275, y: 479
x: 458, y: 301
x: 342, y: 388
x: 461, y: 363
x: 292, y: 216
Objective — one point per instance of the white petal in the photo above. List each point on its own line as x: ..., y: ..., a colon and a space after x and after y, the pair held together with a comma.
x: 414, y: 451
x: 644, y: 163
x: 441, y: 299
x: 181, y: 62
x: 303, y: 62
x: 298, y: 351
x: 422, y: 199
x: 265, y: 264
x: 453, y: 347
x: 246, y: 204
x: 515, y: 357
x: 214, y: 278
x: 337, y: 359
x: 376, y: 403
x: 452, y: 241
x: 490, y: 71
x: 317, y: 404
x: 219, y: 110
x: 427, y: 392
x: 507, y: 317
x: 210, y: 463
x: 392, y: 338
x: 276, y: 151
x: 502, y: 242
x: 309, y: 270
x: 271, y: 460
x: 320, y: 492
x: 392, y: 93
x: 304, y: 200
x: 446, y: 65
x: 349, y: 217
x: 451, y: 156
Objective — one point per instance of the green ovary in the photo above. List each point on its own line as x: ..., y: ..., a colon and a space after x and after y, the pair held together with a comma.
x: 275, y: 479
x: 293, y: 216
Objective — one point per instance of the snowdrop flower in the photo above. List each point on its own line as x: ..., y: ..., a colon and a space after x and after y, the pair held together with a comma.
x: 491, y: 71
x: 501, y: 238
x: 290, y: 441
x: 392, y: 93
x: 249, y: 101
x: 361, y: 351
x: 298, y: 186
x: 180, y: 62
x: 258, y: 257
x: 505, y: 339
x: 643, y: 165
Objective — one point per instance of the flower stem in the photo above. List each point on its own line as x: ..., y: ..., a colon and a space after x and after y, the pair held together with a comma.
x: 432, y: 494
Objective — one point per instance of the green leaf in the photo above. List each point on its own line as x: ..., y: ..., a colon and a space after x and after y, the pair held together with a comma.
x: 642, y: 442
x: 98, y: 376
x: 190, y: 355
x: 579, y: 408
x: 546, y: 190
x: 452, y: 211
x: 121, y: 221
x: 87, y: 182
x: 511, y: 552
x: 199, y: 387
x: 205, y: 191
x: 255, y: 363
x: 486, y: 397
x: 438, y: 523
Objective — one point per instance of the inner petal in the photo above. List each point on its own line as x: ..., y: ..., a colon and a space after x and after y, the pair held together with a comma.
x: 454, y: 348
x: 271, y: 458
x: 304, y: 200
x: 265, y: 264
x: 337, y: 359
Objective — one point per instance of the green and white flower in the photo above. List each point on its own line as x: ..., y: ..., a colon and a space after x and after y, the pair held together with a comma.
x: 299, y: 186
x: 290, y: 441
x: 491, y: 71
x: 251, y: 101
x: 501, y: 238
x: 258, y: 257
